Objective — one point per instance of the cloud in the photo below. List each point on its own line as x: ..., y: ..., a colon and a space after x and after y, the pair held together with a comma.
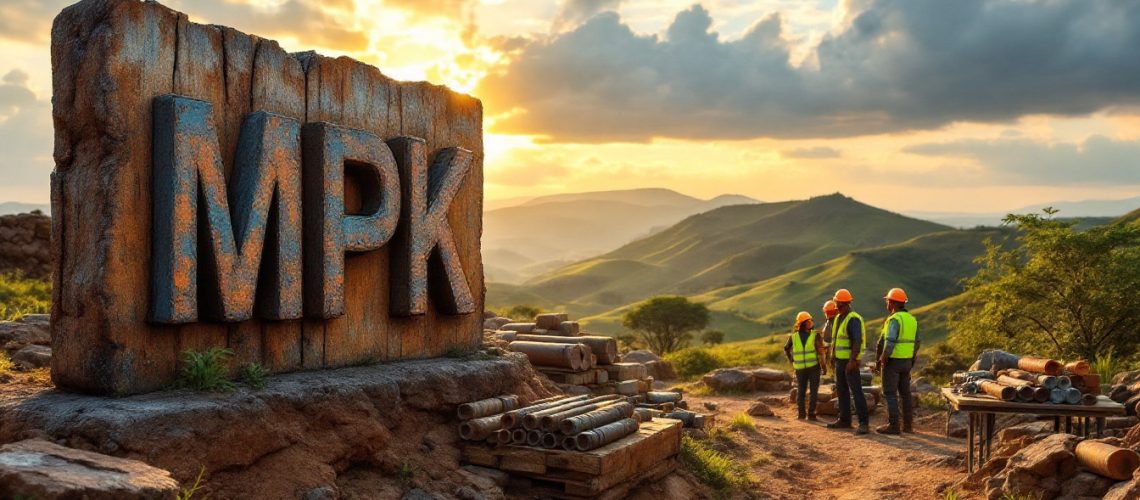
x: 571, y: 13
x: 1096, y: 161
x: 29, y: 21
x: 26, y: 128
x: 812, y: 152
x: 892, y: 66
x: 316, y: 23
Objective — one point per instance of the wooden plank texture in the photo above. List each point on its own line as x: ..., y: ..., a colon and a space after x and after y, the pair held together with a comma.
x: 1104, y: 407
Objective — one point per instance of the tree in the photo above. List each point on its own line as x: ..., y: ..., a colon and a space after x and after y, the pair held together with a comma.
x: 1061, y: 292
x: 523, y: 312
x: 666, y: 323
x: 712, y: 337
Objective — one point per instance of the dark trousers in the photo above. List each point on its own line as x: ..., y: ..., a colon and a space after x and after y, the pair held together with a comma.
x: 804, y: 378
x: 896, y: 385
x: 850, y: 386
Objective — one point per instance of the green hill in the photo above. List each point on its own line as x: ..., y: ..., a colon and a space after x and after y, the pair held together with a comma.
x: 732, y: 245
x: 1132, y: 217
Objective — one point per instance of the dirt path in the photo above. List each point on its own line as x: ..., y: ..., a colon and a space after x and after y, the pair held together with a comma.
x: 794, y: 459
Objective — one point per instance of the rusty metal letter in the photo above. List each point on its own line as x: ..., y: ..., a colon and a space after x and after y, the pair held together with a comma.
x: 329, y: 233
x: 265, y: 219
x: 424, y: 234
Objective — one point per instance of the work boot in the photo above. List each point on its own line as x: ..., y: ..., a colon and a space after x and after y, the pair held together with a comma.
x: 892, y: 429
x: 812, y: 418
x: 863, y: 429
x: 801, y: 416
x: 840, y: 424
x: 908, y: 425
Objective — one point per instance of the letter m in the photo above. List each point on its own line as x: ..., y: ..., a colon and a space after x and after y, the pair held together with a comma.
x: 250, y: 234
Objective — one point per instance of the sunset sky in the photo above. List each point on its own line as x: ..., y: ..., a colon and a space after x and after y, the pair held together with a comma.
x: 935, y: 105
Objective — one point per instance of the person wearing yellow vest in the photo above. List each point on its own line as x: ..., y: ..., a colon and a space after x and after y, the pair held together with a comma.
x: 897, y: 348
x: 805, y: 351
x: 830, y: 311
x: 849, y: 339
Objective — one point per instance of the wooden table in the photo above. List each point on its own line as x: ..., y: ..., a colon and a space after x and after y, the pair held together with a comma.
x: 981, y: 412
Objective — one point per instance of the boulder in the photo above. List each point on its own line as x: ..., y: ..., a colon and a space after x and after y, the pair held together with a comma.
x: 496, y: 323
x: 922, y: 386
x: 640, y: 356
x: 35, y: 468
x: 33, y: 356
x: 771, y: 385
x: 1126, y: 378
x: 770, y: 375
x: 31, y: 330
x: 773, y: 400
x: 1125, y: 490
x: 728, y: 379
x: 1132, y: 438
x: 1086, y: 484
x: 660, y: 370
x: 1050, y: 457
x: 759, y: 409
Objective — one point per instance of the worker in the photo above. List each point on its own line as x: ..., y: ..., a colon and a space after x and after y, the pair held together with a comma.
x: 805, y: 351
x: 897, y: 349
x: 830, y: 310
x: 849, y: 339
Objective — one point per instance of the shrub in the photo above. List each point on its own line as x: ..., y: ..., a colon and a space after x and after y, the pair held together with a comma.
x: 253, y: 374
x: 20, y: 296
x: 712, y: 337
x: 522, y: 312
x: 5, y: 363
x: 941, y: 362
x: 712, y: 467
x: 693, y: 362
x: 1108, y: 365
x: 206, y: 371
x: 931, y: 401
x: 742, y: 422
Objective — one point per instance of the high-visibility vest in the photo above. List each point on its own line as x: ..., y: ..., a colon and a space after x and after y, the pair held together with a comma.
x: 908, y: 332
x: 803, y: 353
x: 843, y: 342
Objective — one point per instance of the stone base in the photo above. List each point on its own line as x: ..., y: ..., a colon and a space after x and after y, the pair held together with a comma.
x: 303, y: 434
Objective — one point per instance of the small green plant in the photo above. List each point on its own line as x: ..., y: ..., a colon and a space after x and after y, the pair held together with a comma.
x: 253, y: 374
x: 5, y: 363
x: 1019, y: 496
x: 931, y: 401
x: 522, y: 312
x: 206, y: 370
x: 712, y: 467
x: 693, y: 362
x: 1107, y: 365
x: 742, y: 422
x: 950, y: 495
x: 406, y: 474
x: 199, y: 482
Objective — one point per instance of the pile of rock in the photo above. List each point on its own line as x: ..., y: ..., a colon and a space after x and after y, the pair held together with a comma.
x: 25, y: 244
x: 1125, y: 390
x: 828, y: 404
x: 27, y: 342
x: 1029, y: 459
x: 747, y: 379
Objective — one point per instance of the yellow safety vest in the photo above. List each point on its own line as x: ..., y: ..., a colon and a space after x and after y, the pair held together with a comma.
x: 843, y: 342
x: 803, y: 354
x: 908, y: 332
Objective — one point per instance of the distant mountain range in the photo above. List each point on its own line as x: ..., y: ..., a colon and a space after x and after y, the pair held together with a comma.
x: 1099, y: 209
x: 15, y: 207
x: 526, y: 237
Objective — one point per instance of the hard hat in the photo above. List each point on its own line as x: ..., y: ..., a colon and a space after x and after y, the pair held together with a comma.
x: 801, y: 317
x: 842, y: 295
x: 830, y: 308
x: 896, y: 294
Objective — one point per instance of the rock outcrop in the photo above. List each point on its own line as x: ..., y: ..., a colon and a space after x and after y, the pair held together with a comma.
x: 747, y: 379
x: 27, y: 341
x: 25, y: 244
x: 35, y: 468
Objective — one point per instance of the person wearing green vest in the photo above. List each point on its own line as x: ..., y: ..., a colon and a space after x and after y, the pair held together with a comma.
x: 848, y: 340
x: 897, y: 349
x: 805, y: 351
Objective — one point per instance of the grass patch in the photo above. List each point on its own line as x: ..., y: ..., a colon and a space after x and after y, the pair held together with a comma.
x: 473, y: 354
x: 742, y: 422
x: 206, y: 370
x: 5, y: 363
x: 931, y: 401
x: 254, y: 375
x: 20, y: 295
x: 712, y: 467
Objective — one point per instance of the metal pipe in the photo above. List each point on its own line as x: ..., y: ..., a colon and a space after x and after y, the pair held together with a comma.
x: 1107, y: 460
x: 1078, y: 367
x: 502, y: 436
x: 1047, y: 381
x: 662, y: 397
x: 1013, y: 381
x: 551, y: 422
x: 1040, y: 394
x: 514, y: 418
x: 687, y: 417
x: 666, y: 407
x: 569, y: 444
x: 1002, y: 392
x: 605, y: 348
x: 518, y: 436
x: 488, y: 407
x: 605, y: 434
x: 1021, y: 374
x: 647, y: 414
x: 596, y: 418
x: 550, y: 441
x: 1057, y: 396
x: 1025, y: 393
x: 478, y: 429
x: 1072, y: 396
x: 1040, y: 365
x: 534, y: 437
x: 1088, y: 399
x: 1064, y: 382
x: 554, y: 355
x: 967, y: 376
x: 533, y: 420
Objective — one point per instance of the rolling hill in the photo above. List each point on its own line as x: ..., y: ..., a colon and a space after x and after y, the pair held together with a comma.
x: 530, y: 237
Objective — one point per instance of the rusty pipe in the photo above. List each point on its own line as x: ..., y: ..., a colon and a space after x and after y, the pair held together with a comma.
x: 534, y: 437
x: 550, y: 440
x: 646, y: 414
x: 1108, y: 460
x: 488, y: 407
x: 596, y: 418
x: 569, y: 444
x: 551, y: 422
x: 514, y: 418
x: 569, y: 356
x: 1088, y: 399
x: 1013, y: 381
x: 605, y: 348
x: 1040, y: 394
x: 656, y: 397
x: 502, y: 436
x: 478, y: 429
x: 998, y: 391
x: 1025, y: 393
x: 1078, y: 367
x: 606, y: 434
x: 1047, y: 381
x: 1040, y: 365
x: 1021, y: 374
x: 518, y: 436
x: 533, y: 420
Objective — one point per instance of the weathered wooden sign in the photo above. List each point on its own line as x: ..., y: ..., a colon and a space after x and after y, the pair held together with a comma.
x: 212, y: 190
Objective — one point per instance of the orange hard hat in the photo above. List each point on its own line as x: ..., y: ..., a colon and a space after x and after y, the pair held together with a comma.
x: 830, y: 308
x: 896, y: 294
x: 842, y: 295
x: 801, y: 317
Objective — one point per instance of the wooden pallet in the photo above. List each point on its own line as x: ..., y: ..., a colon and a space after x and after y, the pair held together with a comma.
x: 574, y: 474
